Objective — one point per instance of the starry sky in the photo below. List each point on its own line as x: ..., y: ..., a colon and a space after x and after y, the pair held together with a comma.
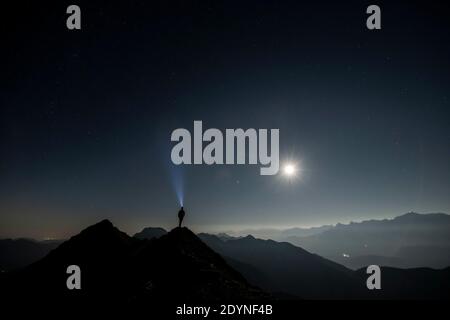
x: 86, y: 116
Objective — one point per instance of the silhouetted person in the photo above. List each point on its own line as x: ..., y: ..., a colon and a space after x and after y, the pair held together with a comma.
x: 180, y: 217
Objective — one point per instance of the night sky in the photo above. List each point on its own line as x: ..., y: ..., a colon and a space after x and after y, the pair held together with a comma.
x: 86, y: 116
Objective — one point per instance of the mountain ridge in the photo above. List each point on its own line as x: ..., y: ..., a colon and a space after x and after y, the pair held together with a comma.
x: 181, y: 266
x: 118, y: 268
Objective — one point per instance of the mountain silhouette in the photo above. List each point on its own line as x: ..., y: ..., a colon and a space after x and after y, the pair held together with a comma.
x: 408, y: 241
x: 18, y: 253
x: 150, y: 233
x: 101, y: 251
x: 410, y: 284
x: 188, y: 270
x: 285, y: 268
x: 117, y: 268
x: 179, y: 266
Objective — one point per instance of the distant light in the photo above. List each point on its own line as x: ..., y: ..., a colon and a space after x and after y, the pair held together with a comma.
x: 345, y: 255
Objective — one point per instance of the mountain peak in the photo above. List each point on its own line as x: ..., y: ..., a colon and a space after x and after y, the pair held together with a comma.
x: 409, y: 214
x: 182, y: 265
x: 150, y: 233
x: 103, y: 228
x: 181, y: 232
x: 105, y: 223
x: 177, y: 265
x: 413, y: 216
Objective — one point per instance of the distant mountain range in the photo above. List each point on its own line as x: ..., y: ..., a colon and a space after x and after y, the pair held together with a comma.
x: 408, y: 241
x: 290, y: 271
x: 285, y: 269
x: 17, y: 253
x: 156, y: 264
x: 277, y: 234
x: 117, y: 268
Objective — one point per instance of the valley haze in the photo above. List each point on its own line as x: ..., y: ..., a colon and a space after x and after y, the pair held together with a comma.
x: 407, y: 241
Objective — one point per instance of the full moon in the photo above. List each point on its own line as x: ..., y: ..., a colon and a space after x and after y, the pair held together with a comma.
x: 289, y: 170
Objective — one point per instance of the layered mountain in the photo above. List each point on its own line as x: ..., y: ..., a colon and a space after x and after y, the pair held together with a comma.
x: 278, y: 234
x: 18, y: 253
x: 150, y: 233
x: 286, y: 269
x: 407, y: 241
x: 290, y: 272
x: 118, y: 268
